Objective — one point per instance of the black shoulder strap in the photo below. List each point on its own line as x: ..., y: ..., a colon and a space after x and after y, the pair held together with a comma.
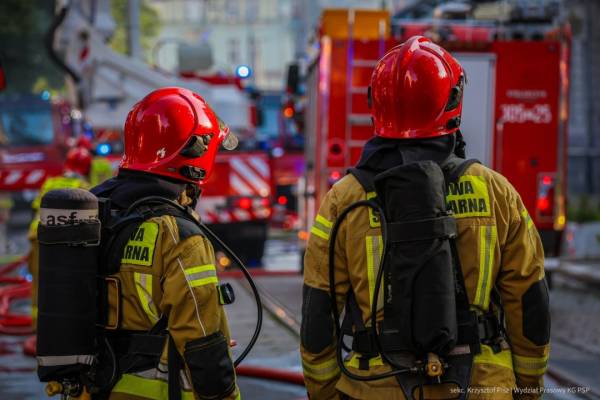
x: 454, y: 167
x: 117, y: 229
x: 364, y: 177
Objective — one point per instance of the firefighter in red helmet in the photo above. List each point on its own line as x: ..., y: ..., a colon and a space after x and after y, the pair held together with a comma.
x: 497, y: 328
x: 165, y: 265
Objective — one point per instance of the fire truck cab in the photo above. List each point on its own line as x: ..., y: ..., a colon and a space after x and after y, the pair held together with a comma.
x: 34, y: 136
x: 515, y: 111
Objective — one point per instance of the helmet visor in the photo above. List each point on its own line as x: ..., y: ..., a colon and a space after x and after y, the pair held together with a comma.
x: 230, y: 140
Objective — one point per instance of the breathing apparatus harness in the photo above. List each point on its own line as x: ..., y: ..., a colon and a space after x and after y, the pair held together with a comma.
x: 465, y: 329
x: 187, y: 213
x: 96, y: 363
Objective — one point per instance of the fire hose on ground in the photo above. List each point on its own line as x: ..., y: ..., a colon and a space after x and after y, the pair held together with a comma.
x: 14, y: 288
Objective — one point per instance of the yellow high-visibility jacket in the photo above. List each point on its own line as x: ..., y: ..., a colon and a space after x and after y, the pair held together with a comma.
x: 100, y: 170
x: 168, y: 268
x: 498, y: 245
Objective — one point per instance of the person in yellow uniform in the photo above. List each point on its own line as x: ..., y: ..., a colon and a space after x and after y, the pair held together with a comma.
x: 76, y: 172
x: 416, y: 103
x: 101, y: 168
x: 166, y: 266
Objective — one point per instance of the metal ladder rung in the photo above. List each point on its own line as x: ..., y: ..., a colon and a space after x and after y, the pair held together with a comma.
x: 359, y: 119
x: 364, y: 63
x: 357, y: 143
x: 359, y: 89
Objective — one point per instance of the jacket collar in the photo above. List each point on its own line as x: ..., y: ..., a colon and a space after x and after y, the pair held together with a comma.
x: 380, y: 154
x: 130, y: 186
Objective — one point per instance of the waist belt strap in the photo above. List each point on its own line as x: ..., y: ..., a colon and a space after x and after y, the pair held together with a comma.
x: 141, y: 344
x: 423, y: 229
x: 175, y: 363
x: 362, y: 340
x: 474, y: 330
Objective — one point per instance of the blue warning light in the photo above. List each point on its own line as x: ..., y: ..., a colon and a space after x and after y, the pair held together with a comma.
x: 103, y: 149
x: 243, y: 71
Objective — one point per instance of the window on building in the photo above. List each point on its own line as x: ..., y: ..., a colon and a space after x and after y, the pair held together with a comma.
x: 233, y: 49
x: 252, y: 10
x: 232, y: 10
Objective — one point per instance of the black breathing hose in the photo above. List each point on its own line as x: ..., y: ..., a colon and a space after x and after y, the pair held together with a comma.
x: 230, y: 253
x: 336, y: 315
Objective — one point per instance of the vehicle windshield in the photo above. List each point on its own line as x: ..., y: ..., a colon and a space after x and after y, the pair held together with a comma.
x: 26, y: 126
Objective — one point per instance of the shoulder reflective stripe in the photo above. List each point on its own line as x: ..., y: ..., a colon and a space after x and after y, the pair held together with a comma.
x: 139, y: 250
x: 373, y: 216
x: 487, y: 356
x: 487, y: 246
x: 201, y: 275
x: 373, y: 362
x: 54, y: 361
x: 374, y: 245
x: 322, y: 371
x: 469, y: 197
x: 530, y: 365
x: 321, y: 227
x: 153, y: 389
x: 143, y: 285
x: 319, y: 233
x: 527, y: 218
x: 63, y: 183
x: 324, y: 221
x: 34, y: 225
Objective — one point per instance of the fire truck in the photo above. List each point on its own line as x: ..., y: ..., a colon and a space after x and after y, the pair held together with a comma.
x: 34, y: 135
x: 514, y: 117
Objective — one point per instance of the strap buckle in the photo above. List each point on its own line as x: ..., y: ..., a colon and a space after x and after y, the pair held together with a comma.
x: 490, y: 332
x: 363, y: 342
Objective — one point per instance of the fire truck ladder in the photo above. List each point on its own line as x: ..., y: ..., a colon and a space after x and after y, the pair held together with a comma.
x: 358, y: 119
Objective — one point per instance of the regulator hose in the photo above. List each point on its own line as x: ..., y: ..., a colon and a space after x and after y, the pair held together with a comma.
x: 211, y: 235
x: 336, y: 317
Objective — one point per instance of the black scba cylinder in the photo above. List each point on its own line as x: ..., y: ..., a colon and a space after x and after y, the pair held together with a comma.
x: 69, y: 236
x: 419, y: 291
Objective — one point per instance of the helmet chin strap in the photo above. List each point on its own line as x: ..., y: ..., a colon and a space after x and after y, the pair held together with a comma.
x: 459, y: 144
x: 192, y: 192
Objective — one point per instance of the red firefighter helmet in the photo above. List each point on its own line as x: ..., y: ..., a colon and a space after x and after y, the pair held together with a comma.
x: 79, y: 161
x: 416, y: 91
x: 174, y: 133
x: 83, y: 141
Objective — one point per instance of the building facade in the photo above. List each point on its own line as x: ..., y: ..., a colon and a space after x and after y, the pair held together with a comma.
x: 266, y: 35
x: 258, y: 33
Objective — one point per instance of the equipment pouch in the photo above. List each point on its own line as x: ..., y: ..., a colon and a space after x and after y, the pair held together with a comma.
x: 210, y: 366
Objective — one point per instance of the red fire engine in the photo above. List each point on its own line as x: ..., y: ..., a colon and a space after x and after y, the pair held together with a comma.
x: 236, y: 202
x: 34, y: 135
x: 514, y: 116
